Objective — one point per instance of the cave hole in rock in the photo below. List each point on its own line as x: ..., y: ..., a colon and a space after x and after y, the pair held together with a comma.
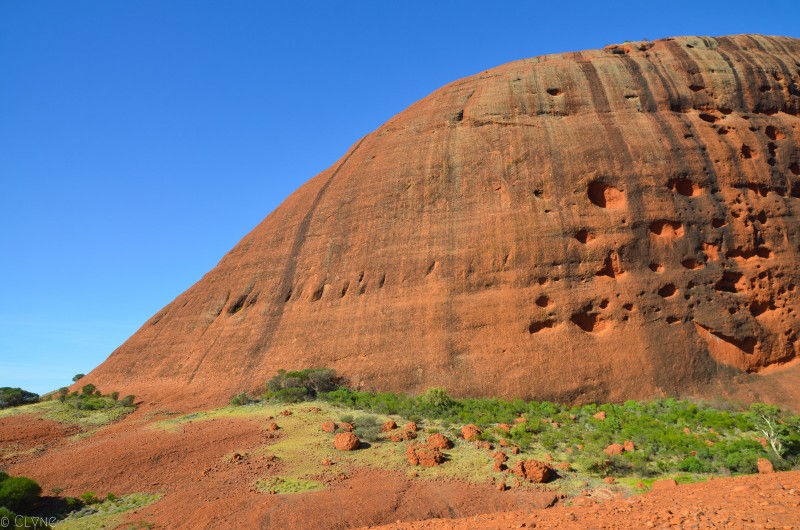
x: 718, y: 223
x: 316, y: 295
x: 604, y: 195
x: 667, y: 290
x: 684, y: 186
x: 604, y: 304
x: 587, y: 321
x: 691, y: 264
x: 730, y: 282
x: 667, y: 229
x: 796, y: 190
x: 759, y: 307
x: 537, y: 326
x: 710, y: 118
x: 656, y: 267
x: 673, y: 320
x: 628, y: 306
x: 794, y: 167
x: 238, y: 305
x: 543, y: 301
x: 583, y: 236
x: 746, y: 152
x: 554, y: 91
x: 343, y: 292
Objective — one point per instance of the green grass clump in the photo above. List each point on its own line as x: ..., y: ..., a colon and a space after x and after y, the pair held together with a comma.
x: 282, y: 485
x: 109, y: 513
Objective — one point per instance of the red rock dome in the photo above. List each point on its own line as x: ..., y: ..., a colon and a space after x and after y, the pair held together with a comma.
x: 598, y: 225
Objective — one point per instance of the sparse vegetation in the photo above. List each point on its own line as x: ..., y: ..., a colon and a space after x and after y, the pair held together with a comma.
x: 301, y: 385
x: 14, y: 397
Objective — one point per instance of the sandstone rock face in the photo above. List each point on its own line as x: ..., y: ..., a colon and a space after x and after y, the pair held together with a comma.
x: 626, y: 218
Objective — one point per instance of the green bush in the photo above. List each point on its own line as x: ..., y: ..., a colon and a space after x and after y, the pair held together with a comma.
x: 89, y: 389
x: 18, y: 494
x: 241, y: 399
x: 90, y: 497
x: 292, y: 387
x: 12, y: 397
x: 368, y: 428
x: 76, y: 377
x: 127, y: 401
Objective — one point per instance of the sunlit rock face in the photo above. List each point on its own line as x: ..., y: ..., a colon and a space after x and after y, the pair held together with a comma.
x: 600, y: 225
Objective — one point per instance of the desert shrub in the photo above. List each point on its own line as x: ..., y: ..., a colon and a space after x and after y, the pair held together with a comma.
x: 127, y: 401
x: 89, y: 389
x: 12, y: 397
x: 241, y: 399
x: 114, y: 395
x: 293, y: 387
x: 90, y: 497
x: 368, y: 427
x: 19, y: 493
x: 76, y: 377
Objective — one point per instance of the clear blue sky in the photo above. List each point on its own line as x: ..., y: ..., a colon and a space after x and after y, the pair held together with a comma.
x: 140, y: 140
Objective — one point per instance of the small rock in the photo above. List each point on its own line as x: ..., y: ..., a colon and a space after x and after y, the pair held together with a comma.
x: 600, y: 415
x: 614, y: 449
x: 346, y: 441
x: 515, y: 450
x: 389, y: 426
x: 286, y: 412
x: 410, y: 427
x: 273, y: 426
x: 501, y: 486
x: 438, y: 441
x: 628, y: 446
x: 328, y: 426
x: 348, y: 427
x: 609, y: 480
x: 533, y: 470
x: 420, y: 455
x: 504, y: 427
x: 470, y: 432
x: 765, y: 466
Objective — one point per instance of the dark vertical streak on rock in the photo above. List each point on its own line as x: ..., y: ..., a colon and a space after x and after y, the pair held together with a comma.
x: 278, y: 304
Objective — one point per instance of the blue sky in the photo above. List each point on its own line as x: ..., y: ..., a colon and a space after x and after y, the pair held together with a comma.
x: 140, y: 140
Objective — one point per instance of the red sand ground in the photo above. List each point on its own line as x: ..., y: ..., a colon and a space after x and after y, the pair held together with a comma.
x: 203, y: 487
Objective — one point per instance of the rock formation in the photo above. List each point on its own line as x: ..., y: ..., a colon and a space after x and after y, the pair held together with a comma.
x: 585, y: 226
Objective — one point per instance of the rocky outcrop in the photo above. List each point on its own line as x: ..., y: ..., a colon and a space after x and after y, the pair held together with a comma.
x: 626, y: 218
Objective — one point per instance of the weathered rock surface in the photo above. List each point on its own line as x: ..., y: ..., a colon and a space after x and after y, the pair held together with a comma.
x: 626, y: 218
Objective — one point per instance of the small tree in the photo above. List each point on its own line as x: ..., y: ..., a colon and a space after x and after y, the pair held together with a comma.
x: 127, y: 401
x: 89, y: 389
x: 767, y: 421
x: 77, y: 377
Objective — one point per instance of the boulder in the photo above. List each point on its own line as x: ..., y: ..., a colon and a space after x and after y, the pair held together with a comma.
x: 421, y: 455
x: 328, y: 426
x: 534, y: 470
x: 438, y: 441
x: 470, y: 432
x: 614, y: 449
x: 346, y: 441
x: 389, y: 426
